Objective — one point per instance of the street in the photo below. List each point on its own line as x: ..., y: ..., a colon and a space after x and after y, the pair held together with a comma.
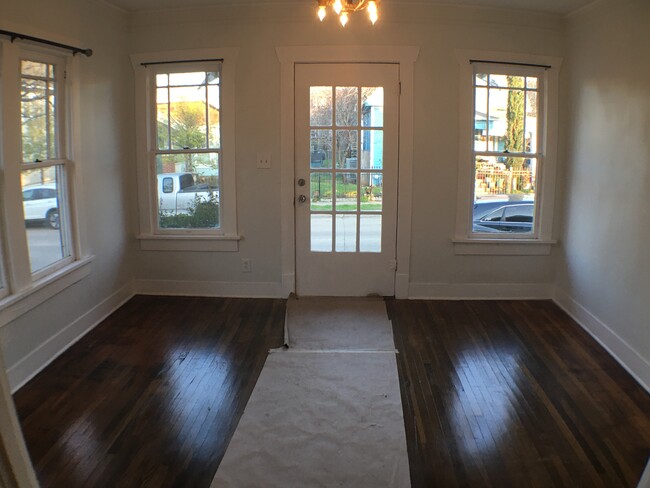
x: 44, y: 245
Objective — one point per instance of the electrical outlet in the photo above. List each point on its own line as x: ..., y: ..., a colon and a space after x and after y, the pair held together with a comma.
x: 245, y: 265
x: 263, y: 160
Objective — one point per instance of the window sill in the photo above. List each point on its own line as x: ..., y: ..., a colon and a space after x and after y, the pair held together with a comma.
x: 152, y: 242
x: 15, y: 305
x: 502, y: 247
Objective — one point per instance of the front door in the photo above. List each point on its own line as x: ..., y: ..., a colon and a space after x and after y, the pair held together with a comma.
x: 346, y: 146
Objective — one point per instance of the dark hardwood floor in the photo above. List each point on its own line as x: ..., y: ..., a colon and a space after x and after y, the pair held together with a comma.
x: 150, y: 397
x: 497, y: 394
x: 514, y: 393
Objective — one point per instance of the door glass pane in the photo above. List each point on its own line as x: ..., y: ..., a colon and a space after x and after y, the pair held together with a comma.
x: 370, y: 233
x: 346, y: 192
x: 346, y: 233
x: 346, y: 149
x: 320, y: 142
x: 347, y: 103
x: 38, y: 112
x: 372, y: 149
x: 320, y: 106
x: 321, y: 233
x: 500, y: 183
x: 321, y: 192
x: 372, y: 106
x: 44, y: 225
x: 188, y: 190
x: 371, y: 192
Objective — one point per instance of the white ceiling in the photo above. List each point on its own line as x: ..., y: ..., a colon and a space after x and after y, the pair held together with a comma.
x: 550, y: 6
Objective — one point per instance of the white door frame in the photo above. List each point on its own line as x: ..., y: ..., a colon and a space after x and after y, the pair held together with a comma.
x: 405, y: 57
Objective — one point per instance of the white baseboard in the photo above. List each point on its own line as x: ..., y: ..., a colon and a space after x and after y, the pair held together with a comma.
x: 32, y: 364
x: 479, y: 291
x: 210, y: 288
x: 288, y: 284
x: 620, y: 350
x: 402, y: 285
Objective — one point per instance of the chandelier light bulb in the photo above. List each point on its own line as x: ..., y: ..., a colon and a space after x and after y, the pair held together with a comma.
x: 372, y: 11
x: 321, y: 12
x: 338, y: 6
x: 344, y: 18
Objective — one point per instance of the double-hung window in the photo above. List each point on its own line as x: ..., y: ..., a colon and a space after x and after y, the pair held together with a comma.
x: 44, y: 162
x: 40, y: 229
x: 508, y: 151
x: 185, y: 131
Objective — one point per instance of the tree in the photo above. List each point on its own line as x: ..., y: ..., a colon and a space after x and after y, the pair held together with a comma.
x: 515, y: 116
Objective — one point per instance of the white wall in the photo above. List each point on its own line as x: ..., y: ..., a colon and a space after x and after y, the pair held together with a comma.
x: 604, y: 264
x: 438, y: 31
x: 106, y: 197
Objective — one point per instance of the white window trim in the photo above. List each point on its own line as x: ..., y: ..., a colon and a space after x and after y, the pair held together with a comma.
x: 227, y: 238
x: 465, y: 242
x: 23, y: 289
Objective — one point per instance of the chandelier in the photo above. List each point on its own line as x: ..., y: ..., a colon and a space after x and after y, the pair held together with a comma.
x: 343, y: 8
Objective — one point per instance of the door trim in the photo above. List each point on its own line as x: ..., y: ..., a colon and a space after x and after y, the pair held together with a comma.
x: 405, y: 57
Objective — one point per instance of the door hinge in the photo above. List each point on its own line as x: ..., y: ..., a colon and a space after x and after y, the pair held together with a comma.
x: 65, y: 75
x: 400, y: 87
x: 393, y: 264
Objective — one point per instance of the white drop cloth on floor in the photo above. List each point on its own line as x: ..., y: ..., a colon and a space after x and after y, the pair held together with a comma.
x: 319, y: 418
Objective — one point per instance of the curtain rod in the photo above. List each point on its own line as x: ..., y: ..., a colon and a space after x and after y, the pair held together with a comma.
x: 75, y: 50
x: 181, y: 61
x: 545, y: 66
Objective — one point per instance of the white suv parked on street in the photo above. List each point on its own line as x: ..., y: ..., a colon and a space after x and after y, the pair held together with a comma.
x: 40, y: 203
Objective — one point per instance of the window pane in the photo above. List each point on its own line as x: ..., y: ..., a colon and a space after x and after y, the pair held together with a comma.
x: 346, y: 233
x: 372, y: 149
x: 35, y: 69
x: 188, y: 191
x: 347, y: 102
x: 38, y: 120
x: 320, y: 106
x: 346, y: 192
x: 481, y: 79
x: 506, y: 114
x: 371, y: 192
x: 372, y: 107
x: 481, y: 126
x: 162, y: 118
x: 214, y: 131
x: 500, y: 183
x: 346, y: 149
x: 45, y: 222
x: 321, y: 148
x: 369, y: 233
x: 321, y: 192
x: 188, y: 110
x: 187, y: 117
x: 531, y: 82
x: 531, y: 122
x: 321, y: 233
x: 187, y: 79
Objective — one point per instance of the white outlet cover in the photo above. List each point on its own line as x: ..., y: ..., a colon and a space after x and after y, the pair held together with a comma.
x: 263, y: 160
